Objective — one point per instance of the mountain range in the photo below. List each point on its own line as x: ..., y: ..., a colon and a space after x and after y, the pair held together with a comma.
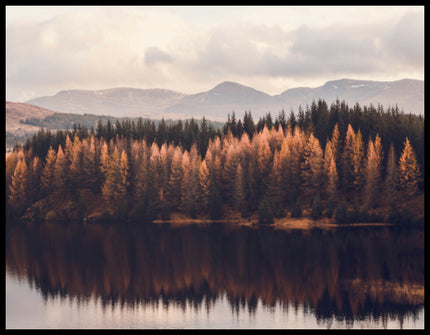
x: 228, y: 96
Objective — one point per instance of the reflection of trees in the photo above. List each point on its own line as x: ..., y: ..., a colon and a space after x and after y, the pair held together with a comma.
x: 339, y: 273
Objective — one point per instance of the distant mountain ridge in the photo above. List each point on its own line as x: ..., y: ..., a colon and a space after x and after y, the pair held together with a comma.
x: 119, y: 101
x: 216, y: 103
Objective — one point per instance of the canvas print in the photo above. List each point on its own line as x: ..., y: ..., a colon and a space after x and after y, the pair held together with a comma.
x: 214, y: 167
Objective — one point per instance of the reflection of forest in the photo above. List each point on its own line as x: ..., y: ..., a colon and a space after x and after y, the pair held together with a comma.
x: 345, y: 273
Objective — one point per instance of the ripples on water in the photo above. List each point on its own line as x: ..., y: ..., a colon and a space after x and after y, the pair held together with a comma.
x: 213, y: 276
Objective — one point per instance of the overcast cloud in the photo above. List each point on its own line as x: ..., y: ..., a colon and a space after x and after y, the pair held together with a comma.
x: 192, y: 49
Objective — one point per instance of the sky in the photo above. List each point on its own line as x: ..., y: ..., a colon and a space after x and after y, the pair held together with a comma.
x: 191, y: 49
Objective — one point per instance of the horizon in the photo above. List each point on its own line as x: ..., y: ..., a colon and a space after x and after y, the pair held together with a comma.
x: 223, y: 82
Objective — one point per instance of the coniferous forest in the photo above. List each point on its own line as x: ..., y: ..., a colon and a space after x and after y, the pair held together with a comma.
x: 352, y: 164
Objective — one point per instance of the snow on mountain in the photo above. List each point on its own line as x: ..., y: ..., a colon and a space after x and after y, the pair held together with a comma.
x: 228, y: 96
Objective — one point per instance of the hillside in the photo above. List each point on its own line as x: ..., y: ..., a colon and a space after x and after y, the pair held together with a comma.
x: 407, y: 93
x: 118, y: 102
x: 15, y: 112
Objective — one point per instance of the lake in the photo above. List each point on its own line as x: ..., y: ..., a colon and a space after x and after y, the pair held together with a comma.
x: 212, y: 276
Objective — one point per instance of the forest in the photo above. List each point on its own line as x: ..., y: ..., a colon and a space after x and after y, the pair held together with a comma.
x: 340, y: 162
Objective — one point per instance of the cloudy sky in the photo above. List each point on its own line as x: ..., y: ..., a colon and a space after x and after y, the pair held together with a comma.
x: 192, y: 49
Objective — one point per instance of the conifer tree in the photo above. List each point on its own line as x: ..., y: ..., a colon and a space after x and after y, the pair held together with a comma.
x: 229, y: 171
x: 245, y: 146
x: 123, y: 180
x: 194, y: 187
x: 18, y: 196
x: 68, y: 149
x: 76, y: 171
x: 140, y: 184
x: 90, y: 164
x: 378, y: 152
x: 215, y: 201
x: 239, y: 190
x: 253, y: 193
x: 216, y: 174
x: 173, y: 191
x: 330, y: 171
x: 153, y: 179
x: 189, y: 186
x: 297, y: 148
x: 373, y: 171
x: 34, y: 179
x: 112, y: 179
x: 285, y: 157
x: 164, y: 162
x: 143, y: 206
x: 370, y: 174
x: 60, y: 171
x: 48, y: 176
x: 312, y: 166
x: 248, y: 124
x: 135, y: 160
x: 114, y: 188
x: 204, y: 186
x: 391, y: 177
x: 11, y: 162
x: 275, y: 139
x: 379, y: 159
x: 104, y: 159
x: 409, y: 171
x: 357, y: 160
x: 347, y: 159
x: 274, y: 186
x: 335, y: 143
x: 263, y: 158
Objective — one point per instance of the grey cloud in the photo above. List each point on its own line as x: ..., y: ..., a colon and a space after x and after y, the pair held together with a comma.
x: 349, y: 50
x: 341, y: 50
x: 231, y: 51
x: 406, y: 41
x: 330, y: 50
x: 154, y: 55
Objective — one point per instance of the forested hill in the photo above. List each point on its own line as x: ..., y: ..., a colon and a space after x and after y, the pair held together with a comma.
x: 21, y: 125
x: 70, y: 121
x: 391, y: 124
x: 324, y: 161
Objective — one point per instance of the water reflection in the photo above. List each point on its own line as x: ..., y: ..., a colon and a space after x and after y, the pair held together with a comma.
x: 344, y: 275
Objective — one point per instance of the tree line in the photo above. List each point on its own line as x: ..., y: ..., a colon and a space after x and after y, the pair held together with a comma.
x: 276, y: 167
x: 390, y: 123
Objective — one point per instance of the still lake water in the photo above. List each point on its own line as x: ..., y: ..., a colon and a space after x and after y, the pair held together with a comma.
x: 212, y: 276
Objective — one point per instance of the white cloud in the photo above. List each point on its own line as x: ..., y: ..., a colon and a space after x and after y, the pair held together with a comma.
x: 191, y: 49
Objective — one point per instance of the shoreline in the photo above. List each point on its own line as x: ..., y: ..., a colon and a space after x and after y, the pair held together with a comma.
x: 279, y: 224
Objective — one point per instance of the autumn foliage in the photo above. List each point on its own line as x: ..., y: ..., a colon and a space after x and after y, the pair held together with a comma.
x: 276, y: 172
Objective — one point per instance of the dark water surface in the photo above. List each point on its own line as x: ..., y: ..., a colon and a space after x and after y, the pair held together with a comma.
x: 212, y: 276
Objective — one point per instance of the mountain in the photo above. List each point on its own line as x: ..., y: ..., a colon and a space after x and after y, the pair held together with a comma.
x: 16, y: 111
x: 221, y: 100
x: 408, y: 94
x: 120, y: 101
x: 228, y: 96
